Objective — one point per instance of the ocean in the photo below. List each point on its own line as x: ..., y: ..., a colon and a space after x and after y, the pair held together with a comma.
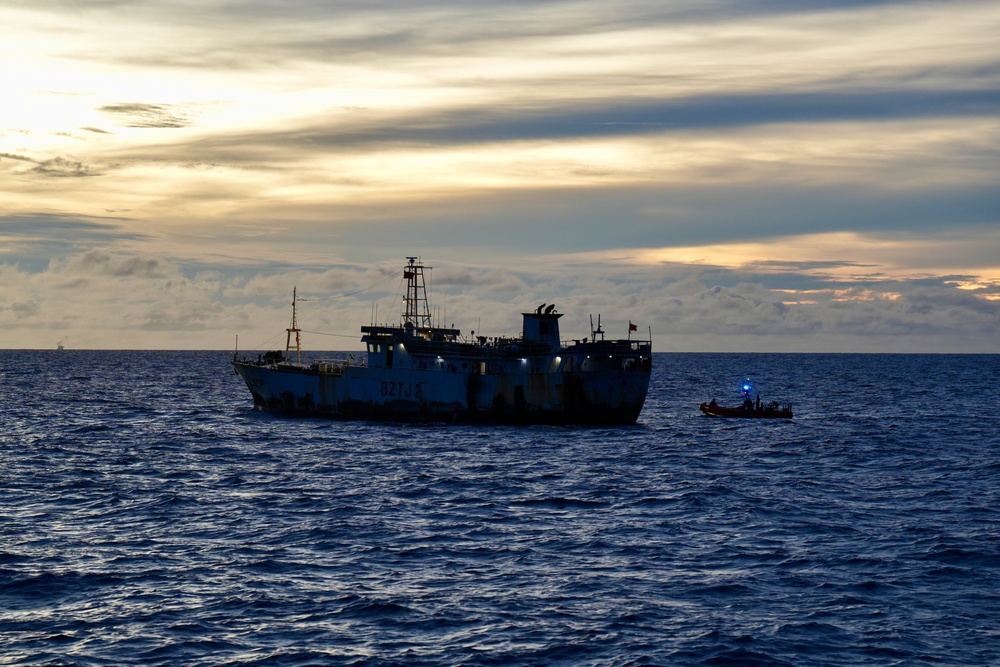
x: 149, y: 517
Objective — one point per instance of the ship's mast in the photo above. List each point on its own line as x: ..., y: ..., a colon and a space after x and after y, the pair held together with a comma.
x: 294, y: 328
x: 416, y: 310
x: 594, y: 332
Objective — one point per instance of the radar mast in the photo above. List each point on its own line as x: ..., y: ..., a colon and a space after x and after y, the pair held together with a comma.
x: 416, y: 311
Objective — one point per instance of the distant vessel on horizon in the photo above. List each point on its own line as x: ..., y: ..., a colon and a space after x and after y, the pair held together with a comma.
x: 418, y: 372
x: 59, y: 346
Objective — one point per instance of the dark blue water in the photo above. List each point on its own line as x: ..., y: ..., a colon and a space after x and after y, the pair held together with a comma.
x: 148, y: 517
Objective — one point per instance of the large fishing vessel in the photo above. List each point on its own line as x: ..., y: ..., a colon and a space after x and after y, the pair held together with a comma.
x: 416, y: 371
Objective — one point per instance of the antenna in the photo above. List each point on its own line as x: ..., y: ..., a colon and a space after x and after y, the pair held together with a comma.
x: 294, y: 328
x: 598, y: 330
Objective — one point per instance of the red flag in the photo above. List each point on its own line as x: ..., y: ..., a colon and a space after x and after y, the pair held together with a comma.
x: 632, y: 327
x: 407, y: 274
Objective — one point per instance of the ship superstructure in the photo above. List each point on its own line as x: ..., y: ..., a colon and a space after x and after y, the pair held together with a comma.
x: 416, y: 371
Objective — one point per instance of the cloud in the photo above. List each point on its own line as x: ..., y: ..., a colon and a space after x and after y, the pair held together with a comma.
x: 31, y: 240
x: 493, y: 281
x: 12, y: 156
x: 137, y: 114
x: 70, y: 228
x: 99, y: 263
x: 635, y: 117
x: 22, y: 309
x: 62, y: 167
x: 100, y: 297
x: 107, y: 299
x: 59, y: 167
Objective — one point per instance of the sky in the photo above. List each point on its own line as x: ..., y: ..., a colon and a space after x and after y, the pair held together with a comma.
x: 730, y: 176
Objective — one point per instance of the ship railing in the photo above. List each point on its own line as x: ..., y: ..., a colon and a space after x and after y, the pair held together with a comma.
x: 617, y: 345
x: 337, y: 366
x: 508, y: 346
x: 456, y: 348
x: 269, y: 360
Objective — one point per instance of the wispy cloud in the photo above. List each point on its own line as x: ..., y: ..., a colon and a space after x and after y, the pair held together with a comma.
x: 139, y: 114
x: 33, y: 240
x: 62, y: 167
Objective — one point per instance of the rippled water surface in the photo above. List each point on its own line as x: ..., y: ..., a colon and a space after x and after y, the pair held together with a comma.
x: 149, y: 517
